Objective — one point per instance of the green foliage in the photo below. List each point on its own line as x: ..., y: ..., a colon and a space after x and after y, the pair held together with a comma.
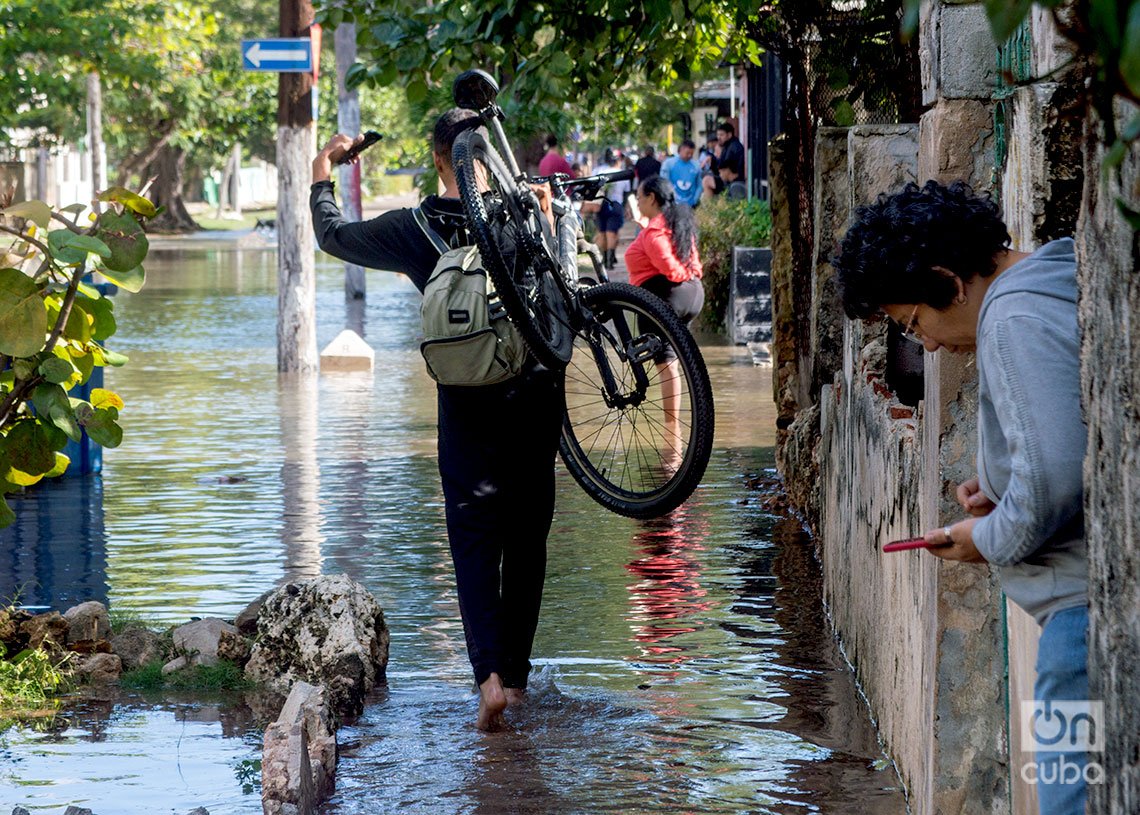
x: 543, y: 53
x: 30, y: 679
x: 224, y: 676
x: 51, y: 327
x: 723, y: 224
x: 248, y: 773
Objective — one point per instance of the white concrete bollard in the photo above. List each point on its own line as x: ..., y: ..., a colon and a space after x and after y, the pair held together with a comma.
x: 348, y: 352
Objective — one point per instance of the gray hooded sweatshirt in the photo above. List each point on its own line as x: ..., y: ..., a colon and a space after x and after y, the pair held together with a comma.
x: 1031, y: 437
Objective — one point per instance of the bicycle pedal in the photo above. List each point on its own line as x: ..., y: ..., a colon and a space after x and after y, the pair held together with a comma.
x: 644, y: 348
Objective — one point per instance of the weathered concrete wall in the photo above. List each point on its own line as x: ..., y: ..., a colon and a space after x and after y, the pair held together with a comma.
x: 1108, y: 258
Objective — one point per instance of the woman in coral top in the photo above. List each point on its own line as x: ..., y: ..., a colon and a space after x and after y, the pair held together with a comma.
x: 663, y: 259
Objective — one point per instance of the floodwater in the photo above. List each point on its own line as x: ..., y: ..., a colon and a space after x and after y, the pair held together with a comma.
x: 682, y: 665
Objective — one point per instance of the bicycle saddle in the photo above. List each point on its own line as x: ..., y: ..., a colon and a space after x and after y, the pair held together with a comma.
x: 474, y: 89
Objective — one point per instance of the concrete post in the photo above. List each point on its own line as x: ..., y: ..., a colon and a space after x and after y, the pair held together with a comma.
x: 348, y: 122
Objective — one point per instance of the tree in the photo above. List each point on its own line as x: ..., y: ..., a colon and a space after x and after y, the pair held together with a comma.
x: 52, y: 325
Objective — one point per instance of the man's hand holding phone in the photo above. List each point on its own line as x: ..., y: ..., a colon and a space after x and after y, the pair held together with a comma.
x: 340, y: 149
x: 955, y: 542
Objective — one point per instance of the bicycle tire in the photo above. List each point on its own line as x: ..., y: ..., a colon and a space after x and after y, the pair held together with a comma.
x: 510, y: 244
x: 626, y: 469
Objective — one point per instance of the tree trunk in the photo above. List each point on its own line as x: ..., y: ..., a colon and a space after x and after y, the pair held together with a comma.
x: 296, y: 272
x: 134, y: 165
x: 95, y: 131
x: 166, y: 192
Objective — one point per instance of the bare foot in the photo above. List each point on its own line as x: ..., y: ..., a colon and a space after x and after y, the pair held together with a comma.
x: 492, y: 703
x: 515, y: 696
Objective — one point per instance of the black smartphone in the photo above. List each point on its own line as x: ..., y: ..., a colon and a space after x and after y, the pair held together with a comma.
x: 370, y: 138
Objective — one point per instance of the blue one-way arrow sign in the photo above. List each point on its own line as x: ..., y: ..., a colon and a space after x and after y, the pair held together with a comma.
x: 280, y: 55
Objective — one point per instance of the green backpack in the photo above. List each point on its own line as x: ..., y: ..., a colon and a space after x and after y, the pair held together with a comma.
x: 468, y: 339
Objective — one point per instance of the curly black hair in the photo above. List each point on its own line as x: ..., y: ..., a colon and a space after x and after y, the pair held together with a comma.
x: 890, y: 250
x: 680, y: 219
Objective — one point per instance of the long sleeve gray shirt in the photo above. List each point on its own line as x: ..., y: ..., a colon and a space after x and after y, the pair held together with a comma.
x: 1031, y: 437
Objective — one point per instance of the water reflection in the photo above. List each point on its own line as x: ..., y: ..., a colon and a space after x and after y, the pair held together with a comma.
x: 300, y: 476
x: 669, y: 593
x: 55, y: 554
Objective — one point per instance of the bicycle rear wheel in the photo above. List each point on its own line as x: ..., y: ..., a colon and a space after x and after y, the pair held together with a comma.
x: 509, y: 233
x: 638, y: 428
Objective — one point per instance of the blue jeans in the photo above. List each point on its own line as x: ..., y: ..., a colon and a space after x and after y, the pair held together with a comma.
x: 1062, y: 674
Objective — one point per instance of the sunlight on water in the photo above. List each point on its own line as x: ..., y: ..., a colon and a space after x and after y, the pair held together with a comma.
x: 682, y: 665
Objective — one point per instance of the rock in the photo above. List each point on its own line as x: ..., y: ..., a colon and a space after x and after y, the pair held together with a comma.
x: 44, y: 631
x: 99, y: 669
x: 137, y: 647
x: 88, y: 621
x: 73, y: 810
x: 327, y: 631
x: 232, y: 646
x: 20, y: 811
x: 286, y: 777
x: 199, y: 811
x: 176, y: 664
x: 198, y: 641
x: 306, y: 703
x: 246, y: 620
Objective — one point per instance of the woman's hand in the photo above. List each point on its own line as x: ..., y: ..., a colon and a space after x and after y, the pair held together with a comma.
x: 973, y: 500
x: 955, y: 542
x: 336, y: 147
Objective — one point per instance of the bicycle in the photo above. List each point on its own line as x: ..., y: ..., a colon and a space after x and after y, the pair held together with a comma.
x: 638, y: 426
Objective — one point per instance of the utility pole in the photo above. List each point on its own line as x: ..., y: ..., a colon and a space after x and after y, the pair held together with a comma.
x: 348, y: 122
x: 296, y: 275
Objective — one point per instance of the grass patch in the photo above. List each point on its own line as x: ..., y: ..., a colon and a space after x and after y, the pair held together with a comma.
x: 249, y: 218
x: 31, y: 679
x: 223, y: 676
x: 125, y: 618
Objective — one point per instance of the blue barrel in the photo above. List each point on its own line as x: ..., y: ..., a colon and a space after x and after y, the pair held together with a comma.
x: 86, y: 456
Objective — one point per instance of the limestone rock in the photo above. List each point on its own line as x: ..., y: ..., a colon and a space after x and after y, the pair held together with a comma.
x: 233, y: 647
x: 328, y: 631
x: 199, y: 811
x: 88, y: 621
x: 20, y: 811
x: 44, y: 631
x: 198, y: 641
x: 246, y: 620
x: 176, y: 664
x: 73, y: 810
x: 100, y: 669
x: 306, y: 703
x: 286, y: 777
x: 137, y: 647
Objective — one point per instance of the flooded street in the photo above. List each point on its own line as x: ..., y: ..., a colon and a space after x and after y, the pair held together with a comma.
x: 682, y: 665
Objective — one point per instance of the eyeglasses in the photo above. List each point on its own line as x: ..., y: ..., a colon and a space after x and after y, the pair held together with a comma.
x: 909, y: 332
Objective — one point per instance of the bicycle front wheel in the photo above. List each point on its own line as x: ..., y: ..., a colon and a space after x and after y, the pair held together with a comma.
x: 638, y: 428
x: 508, y: 229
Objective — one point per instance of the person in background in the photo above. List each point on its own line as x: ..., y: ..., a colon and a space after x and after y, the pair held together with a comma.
x: 664, y: 260
x: 496, y: 442
x: 684, y: 173
x: 553, y: 162
x: 731, y: 150
x: 647, y: 166
x: 936, y: 260
x: 611, y: 215
x: 734, y: 187
x: 711, y: 182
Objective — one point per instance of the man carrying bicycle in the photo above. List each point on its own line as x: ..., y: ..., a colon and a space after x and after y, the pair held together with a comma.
x: 496, y: 442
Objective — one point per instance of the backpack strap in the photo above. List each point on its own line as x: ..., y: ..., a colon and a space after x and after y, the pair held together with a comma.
x: 421, y: 220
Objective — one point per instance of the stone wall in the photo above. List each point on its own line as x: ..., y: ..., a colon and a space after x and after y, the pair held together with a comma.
x: 1108, y: 258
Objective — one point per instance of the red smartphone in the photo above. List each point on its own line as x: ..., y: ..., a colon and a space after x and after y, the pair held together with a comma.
x: 909, y: 543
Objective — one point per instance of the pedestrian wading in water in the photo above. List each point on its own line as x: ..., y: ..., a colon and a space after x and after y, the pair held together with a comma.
x: 496, y: 442
x: 936, y: 260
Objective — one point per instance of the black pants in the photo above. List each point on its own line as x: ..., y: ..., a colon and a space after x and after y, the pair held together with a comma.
x: 496, y: 458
